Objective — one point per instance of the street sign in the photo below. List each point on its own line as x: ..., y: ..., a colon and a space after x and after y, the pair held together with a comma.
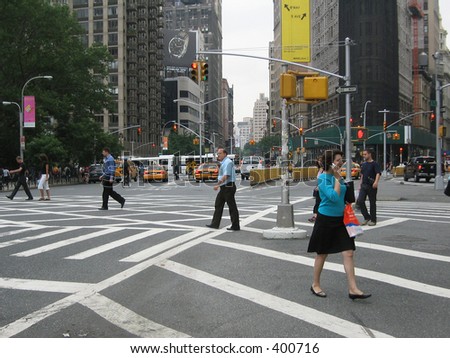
x: 346, y: 89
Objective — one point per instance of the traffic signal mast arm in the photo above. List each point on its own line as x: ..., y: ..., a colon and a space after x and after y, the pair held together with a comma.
x: 408, y: 116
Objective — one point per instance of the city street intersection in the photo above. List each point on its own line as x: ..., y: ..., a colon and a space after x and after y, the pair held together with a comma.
x: 152, y: 269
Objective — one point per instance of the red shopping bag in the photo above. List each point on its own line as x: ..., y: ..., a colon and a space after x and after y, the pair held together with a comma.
x: 351, y: 222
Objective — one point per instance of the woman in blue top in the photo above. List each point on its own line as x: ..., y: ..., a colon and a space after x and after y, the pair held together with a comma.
x: 329, y: 235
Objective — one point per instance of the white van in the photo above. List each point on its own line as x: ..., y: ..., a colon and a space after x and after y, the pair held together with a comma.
x: 249, y: 163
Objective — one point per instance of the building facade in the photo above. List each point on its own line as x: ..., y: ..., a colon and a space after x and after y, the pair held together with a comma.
x: 132, y: 32
x: 244, y: 130
x: 260, y: 109
x: 204, y: 16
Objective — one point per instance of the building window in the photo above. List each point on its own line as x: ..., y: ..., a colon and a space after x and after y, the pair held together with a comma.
x: 98, y: 39
x: 82, y: 13
x: 113, y: 39
x: 98, y: 12
x: 112, y: 11
x: 80, y: 2
x: 98, y: 26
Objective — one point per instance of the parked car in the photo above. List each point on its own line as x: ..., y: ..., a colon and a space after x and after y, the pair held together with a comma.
x: 207, y: 171
x: 249, y: 163
x: 94, y: 173
x: 156, y: 173
x: 356, y: 171
x: 420, y: 167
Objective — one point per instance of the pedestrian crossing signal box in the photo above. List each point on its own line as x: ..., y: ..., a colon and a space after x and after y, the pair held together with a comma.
x: 315, y: 88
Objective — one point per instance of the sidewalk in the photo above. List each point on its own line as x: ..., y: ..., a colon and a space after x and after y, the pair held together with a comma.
x: 395, y: 189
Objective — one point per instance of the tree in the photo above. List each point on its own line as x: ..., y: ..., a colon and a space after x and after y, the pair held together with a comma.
x: 45, y: 39
x: 182, y: 143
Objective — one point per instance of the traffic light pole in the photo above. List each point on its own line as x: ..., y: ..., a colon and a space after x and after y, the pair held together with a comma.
x: 385, y: 112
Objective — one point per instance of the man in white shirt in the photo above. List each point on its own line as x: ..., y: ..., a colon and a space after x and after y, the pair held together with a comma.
x: 227, y: 189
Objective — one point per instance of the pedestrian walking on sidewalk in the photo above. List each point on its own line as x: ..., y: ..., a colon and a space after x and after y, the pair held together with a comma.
x: 21, y: 181
x: 329, y: 234
x: 107, y: 178
x: 45, y: 176
x: 370, y: 177
x: 227, y: 189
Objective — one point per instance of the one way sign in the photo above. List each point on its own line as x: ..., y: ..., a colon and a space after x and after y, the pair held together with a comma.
x: 346, y: 89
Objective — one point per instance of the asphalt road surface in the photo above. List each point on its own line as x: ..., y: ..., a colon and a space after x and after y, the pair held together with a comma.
x: 152, y: 269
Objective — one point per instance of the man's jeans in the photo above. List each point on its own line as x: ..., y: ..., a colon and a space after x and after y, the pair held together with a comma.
x: 368, y: 190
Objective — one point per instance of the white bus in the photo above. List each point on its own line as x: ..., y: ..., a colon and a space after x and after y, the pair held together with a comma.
x: 168, y: 161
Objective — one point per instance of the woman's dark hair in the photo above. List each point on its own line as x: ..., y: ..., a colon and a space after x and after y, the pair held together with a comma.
x: 319, y: 161
x: 43, y: 158
x: 329, y: 156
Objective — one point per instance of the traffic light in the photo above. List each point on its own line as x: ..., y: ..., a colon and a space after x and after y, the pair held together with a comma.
x: 432, y: 116
x: 204, y: 71
x: 153, y: 145
x: 442, y: 131
x: 194, y: 71
x: 315, y: 88
x: 139, y: 131
x: 196, y: 141
x: 252, y: 142
x: 288, y: 86
x: 401, y: 150
x: 175, y: 127
x: 300, y: 131
x: 274, y: 123
x: 396, y: 136
x: 359, y: 134
x: 384, y: 125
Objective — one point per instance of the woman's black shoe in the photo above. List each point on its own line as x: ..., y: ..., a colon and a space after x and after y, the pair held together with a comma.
x: 359, y: 297
x: 318, y: 294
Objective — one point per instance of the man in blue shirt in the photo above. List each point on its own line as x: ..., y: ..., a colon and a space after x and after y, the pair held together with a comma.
x: 227, y: 189
x: 107, y: 178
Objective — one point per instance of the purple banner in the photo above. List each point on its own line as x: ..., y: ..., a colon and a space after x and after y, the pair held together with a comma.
x: 29, y: 112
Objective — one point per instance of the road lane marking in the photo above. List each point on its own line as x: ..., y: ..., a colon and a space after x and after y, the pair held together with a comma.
x: 42, y: 285
x: 372, y: 275
x: 37, y: 237
x: 114, y: 244
x: 385, y: 223
x: 20, y: 231
x: 154, y: 250
x: 66, y: 242
x: 405, y: 252
x: 128, y: 320
x: 304, y: 313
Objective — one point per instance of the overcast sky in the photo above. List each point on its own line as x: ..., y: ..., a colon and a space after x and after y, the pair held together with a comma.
x: 248, y: 28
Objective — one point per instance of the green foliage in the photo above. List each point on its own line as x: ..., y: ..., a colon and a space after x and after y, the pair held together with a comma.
x: 41, y: 39
x: 263, y: 146
x: 182, y: 143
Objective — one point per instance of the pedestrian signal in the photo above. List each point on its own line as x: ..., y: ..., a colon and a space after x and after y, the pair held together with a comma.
x: 359, y: 134
x: 139, y: 131
x: 175, y: 127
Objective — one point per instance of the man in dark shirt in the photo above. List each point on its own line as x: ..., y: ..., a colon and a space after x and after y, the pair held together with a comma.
x: 370, y: 176
x: 21, y: 181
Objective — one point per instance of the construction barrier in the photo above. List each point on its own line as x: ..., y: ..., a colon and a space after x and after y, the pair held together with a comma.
x: 259, y: 176
x: 398, y: 171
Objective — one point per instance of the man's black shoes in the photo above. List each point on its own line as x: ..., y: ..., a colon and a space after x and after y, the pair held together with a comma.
x: 9, y: 197
x: 122, y: 204
x: 102, y: 208
x: 234, y: 228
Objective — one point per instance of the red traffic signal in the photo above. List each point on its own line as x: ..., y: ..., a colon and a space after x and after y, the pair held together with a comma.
x: 175, y: 127
x: 432, y: 116
x: 194, y: 71
x: 401, y: 149
x: 359, y: 134
x: 139, y: 131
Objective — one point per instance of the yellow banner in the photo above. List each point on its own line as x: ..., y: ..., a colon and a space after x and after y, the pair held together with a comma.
x: 295, y: 31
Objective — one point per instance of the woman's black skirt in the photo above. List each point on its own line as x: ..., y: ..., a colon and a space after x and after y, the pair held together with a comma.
x: 330, y: 236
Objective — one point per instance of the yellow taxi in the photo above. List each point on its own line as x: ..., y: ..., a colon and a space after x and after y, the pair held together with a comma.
x: 131, y: 168
x: 207, y: 171
x: 156, y: 173
x: 356, y: 171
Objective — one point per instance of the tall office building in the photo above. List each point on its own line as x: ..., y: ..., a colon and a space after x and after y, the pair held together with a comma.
x: 260, y: 117
x: 204, y: 16
x: 244, y: 130
x: 132, y: 31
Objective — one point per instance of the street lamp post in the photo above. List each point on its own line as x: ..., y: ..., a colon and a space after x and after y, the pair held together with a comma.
x: 200, y: 110
x: 364, y: 120
x: 6, y: 103
x: 22, y: 109
x: 385, y: 111
x: 439, y: 179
